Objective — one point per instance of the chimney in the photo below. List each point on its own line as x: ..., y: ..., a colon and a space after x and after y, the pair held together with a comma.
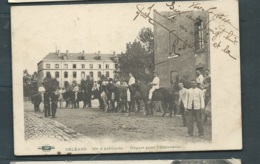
x: 58, y: 53
x: 67, y: 51
x: 98, y: 52
x: 83, y: 55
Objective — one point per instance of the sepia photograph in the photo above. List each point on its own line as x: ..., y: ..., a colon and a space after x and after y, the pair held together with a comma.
x: 126, y: 77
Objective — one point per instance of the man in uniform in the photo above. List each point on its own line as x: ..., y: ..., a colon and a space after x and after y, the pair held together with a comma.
x: 46, y: 104
x: 54, y: 102
x: 75, y: 89
x: 41, y: 91
x: 131, y: 81
x: 199, y: 78
x: 194, y: 105
x: 155, y: 85
x: 182, y: 100
x: 90, y: 84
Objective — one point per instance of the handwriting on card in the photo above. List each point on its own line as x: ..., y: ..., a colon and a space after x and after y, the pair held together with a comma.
x: 217, y: 33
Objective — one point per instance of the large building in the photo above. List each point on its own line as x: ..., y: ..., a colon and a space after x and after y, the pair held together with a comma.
x: 68, y: 67
x: 181, y: 43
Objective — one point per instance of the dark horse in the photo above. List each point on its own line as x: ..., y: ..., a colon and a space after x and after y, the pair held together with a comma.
x: 70, y: 98
x: 117, y: 94
x: 36, y: 100
x: 164, y: 95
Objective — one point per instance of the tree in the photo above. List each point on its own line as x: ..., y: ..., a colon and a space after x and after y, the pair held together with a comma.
x: 29, y: 83
x: 26, y: 78
x: 139, y: 55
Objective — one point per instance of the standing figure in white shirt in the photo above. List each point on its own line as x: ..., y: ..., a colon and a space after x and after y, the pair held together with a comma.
x: 42, y: 90
x: 76, y: 90
x: 155, y: 85
x: 131, y: 81
x: 182, y: 100
x: 194, y: 105
x: 199, y: 78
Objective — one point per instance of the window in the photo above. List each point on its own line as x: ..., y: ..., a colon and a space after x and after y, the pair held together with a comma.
x: 74, y: 74
x: 56, y: 65
x: 74, y: 66
x: 48, y: 74
x: 82, y: 75
x: 91, y: 74
x: 107, y: 66
x: 199, y: 37
x: 48, y: 66
x: 66, y: 74
x: 91, y: 66
x: 99, y: 74
x: 65, y: 65
x: 57, y: 74
x: 99, y: 66
x: 82, y: 65
x: 107, y: 74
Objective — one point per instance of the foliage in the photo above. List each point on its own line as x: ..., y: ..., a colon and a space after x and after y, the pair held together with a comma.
x: 139, y: 55
x: 29, y: 83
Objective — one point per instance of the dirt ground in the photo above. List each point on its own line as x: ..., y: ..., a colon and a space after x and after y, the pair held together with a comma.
x: 96, y: 124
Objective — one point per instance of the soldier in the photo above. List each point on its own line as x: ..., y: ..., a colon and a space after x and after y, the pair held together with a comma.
x: 182, y: 100
x: 194, y: 106
x: 75, y: 89
x: 155, y: 85
x: 47, y: 104
x: 131, y: 81
x: 199, y: 78
x: 54, y: 102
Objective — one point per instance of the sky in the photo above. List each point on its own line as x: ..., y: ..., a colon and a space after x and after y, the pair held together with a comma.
x: 36, y: 31
x: 39, y: 30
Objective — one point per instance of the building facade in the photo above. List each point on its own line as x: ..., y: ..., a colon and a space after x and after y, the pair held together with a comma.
x: 69, y: 67
x: 182, y: 45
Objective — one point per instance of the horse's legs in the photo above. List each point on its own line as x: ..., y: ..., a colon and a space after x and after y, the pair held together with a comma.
x: 138, y: 105
x: 128, y: 109
x: 89, y: 101
x: 170, y: 107
x: 77, y: 104
x: 163, y: 108
x: 105, y: 104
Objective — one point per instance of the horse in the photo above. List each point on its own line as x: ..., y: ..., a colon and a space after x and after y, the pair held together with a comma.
x: 117, y: 94
x: 162, y: 94
x: 70, y: 99
x: 104, y: 104
x: 80, y: 97
x: 67, y: 97
x: 36, y: 100
x: 136, y: 98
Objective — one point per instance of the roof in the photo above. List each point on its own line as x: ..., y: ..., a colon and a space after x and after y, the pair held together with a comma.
x: 78, y: 56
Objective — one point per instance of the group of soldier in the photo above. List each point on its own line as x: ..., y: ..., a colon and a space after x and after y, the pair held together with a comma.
x: 191, y: 102
x: 50, y: 101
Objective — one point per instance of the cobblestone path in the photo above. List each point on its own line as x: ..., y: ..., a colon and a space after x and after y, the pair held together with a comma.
x: 38, y: 127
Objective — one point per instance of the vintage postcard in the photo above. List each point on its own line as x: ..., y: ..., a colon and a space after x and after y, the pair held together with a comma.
x: 126, y: 77
x: 192, y: 161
